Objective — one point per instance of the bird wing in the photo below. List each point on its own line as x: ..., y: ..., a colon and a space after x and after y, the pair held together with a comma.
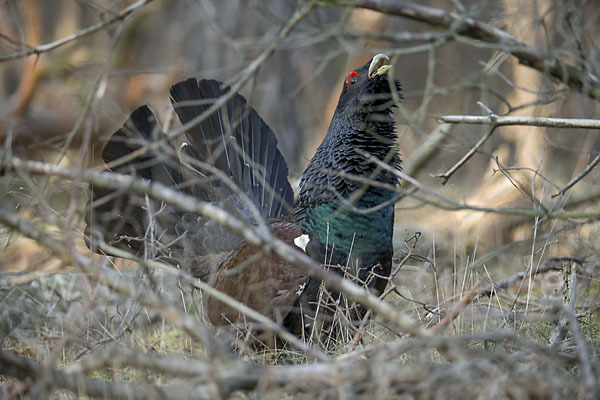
x: 263, y: 282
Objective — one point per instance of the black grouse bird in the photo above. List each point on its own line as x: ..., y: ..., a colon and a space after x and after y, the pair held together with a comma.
x: 231, y: 159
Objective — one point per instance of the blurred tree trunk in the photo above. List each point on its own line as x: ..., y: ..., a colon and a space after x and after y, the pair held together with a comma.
x: 523, y: 145
x: 21, y: 99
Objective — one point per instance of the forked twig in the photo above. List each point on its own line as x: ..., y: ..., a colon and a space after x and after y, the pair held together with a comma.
x: 579, y: 177
x: 446, y: 175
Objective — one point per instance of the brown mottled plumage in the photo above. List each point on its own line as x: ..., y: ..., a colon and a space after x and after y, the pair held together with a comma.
x: 262, y: 282
x: 235, y: 144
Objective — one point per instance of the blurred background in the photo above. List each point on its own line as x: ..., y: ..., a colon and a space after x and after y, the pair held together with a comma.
x: 71, y: 99
x: 61, y: 105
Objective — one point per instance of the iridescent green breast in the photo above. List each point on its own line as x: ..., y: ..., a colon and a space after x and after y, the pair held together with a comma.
x: 365, y: 228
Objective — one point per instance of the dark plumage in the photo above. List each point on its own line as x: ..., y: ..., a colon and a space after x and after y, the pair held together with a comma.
x: 236, y: 141
x: 120, y: 216
x: 349, y: 223
x: 346, y: 222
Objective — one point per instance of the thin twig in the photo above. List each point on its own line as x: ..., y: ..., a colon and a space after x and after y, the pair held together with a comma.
x: 212, y: 212
x: 446, y: 175
x: 447, y: 320
x: 446, y: 203
x: 552, y: 264
x: 118, y: 16
x: 578, y: 78
x: 579, y: 177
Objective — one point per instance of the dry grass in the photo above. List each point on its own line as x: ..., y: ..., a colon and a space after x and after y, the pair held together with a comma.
x: 515, y: 339
x: 495, y: 264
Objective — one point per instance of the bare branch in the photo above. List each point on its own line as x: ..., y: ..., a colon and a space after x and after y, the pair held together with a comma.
x: 118, y: 16
x: 448, y: 174
x: 188, y: 203
x: 446, y: 203
x: 22, y: 368
x: 427, y: 150
x: 575, y: 77
x: 579, y: 177
x: 499, y: 120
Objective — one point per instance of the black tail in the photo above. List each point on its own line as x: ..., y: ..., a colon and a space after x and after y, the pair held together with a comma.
x: 121, y: 217
x: 234, y: 140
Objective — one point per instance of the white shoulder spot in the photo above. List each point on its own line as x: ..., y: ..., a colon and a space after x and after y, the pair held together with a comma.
x: 301, y: 289
x: 301, y: 241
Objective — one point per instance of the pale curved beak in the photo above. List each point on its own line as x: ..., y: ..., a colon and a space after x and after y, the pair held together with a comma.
x: 379, y: 65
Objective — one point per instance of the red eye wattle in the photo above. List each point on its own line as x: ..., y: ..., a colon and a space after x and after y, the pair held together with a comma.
x: 351, y: 78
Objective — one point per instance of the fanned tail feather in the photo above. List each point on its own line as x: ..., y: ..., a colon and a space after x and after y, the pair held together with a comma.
x: 236, y: 141
x: 233, y: 139
x: 120, y: 217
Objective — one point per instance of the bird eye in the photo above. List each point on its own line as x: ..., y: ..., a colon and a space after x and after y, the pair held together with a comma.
x: 351, y: 78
